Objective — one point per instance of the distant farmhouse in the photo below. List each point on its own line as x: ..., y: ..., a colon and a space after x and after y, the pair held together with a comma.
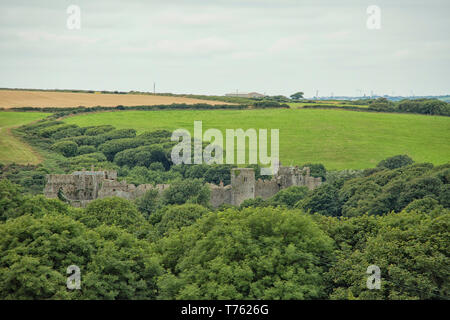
x: 246, y: 95
x: 81, y: 187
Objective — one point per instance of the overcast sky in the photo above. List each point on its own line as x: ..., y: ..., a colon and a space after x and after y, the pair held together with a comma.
x: 220, y: 46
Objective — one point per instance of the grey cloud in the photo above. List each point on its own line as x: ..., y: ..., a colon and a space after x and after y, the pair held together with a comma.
x: 214, y: 47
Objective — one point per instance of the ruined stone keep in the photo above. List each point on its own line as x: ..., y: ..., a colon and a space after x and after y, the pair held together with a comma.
x: 81, y: 187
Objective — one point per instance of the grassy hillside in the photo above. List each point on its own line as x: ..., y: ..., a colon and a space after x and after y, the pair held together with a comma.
x: 338, y: 139
x: 11, y: 148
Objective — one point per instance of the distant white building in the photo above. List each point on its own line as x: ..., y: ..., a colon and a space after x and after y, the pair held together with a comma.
x: 246, y: 95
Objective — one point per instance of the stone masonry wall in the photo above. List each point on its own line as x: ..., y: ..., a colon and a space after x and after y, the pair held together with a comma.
x: 266, y: 188
x: 242, y: 185
x: 81, y: 187
x: 220, y: 195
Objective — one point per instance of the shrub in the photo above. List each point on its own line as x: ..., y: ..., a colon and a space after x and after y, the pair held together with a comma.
x: 148, y: 203
x: 395, y: 162
x: 256, y: 202
x: 317, y: 170
x: 142, y: 175
x: 66, y: 148
x: 112, y: 147
x: 119, y: 134
x: 142, y: 156
x: 156, y: 166
x: 47, y: 132
x: 88, y: 140
x: 86, y: 149
x: 187, y: 191
x: 69, y: 132
x: 88, y: 159
x: 289, y: 196
x: 94, y: 131
x: 157, y: 134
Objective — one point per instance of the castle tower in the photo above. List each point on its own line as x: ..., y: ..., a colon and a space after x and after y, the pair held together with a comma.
x: 242, y: 185
x: 285, y: 177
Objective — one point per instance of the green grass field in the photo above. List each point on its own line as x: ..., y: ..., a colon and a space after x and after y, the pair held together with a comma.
x: 11, y: 148
x: 337, y: 138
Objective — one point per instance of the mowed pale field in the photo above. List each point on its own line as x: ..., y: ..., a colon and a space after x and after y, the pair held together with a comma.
x: 339, y: 139
x: 48, y: 99
x: 11, y: 148
x: 336, y: 103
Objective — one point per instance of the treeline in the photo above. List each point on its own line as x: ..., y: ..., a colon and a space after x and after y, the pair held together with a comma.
x: 333, y: 106
x: 174, y: 246
x: 239, y: 100
x: 396, y: 184
x: 59, y: 112
x: 419, y: 106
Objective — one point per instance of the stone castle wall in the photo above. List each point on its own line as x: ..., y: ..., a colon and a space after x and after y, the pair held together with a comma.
x: 220, y: 195
x: 266, y: 188
x: 81, y: 187
x: 242, y: 185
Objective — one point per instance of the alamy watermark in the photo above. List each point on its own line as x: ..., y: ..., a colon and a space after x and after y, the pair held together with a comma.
x: 374, y: 280
x: 374, y: 19
x: 74, y: 18
x: 74, y: 278
x: 213, y: 153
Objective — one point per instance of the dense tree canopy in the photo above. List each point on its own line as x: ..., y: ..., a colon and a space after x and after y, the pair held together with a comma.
x: 115, y: 212
x: 254, y: 253
x: 37, y: 251
x: 187, y: 191
x: 177, y: 216
x: 10, y: 199
x: 411, y: 250
x: 190, y: 252
x: 289, y: 196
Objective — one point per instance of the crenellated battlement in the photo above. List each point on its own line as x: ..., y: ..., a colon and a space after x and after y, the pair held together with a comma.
x: 81, y: 187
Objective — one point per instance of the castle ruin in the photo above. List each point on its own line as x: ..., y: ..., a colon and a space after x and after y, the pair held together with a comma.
x: 244, y: 185
x: 81, y: 187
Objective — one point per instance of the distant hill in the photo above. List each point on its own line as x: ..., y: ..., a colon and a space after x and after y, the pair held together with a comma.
x: 445, y: 98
